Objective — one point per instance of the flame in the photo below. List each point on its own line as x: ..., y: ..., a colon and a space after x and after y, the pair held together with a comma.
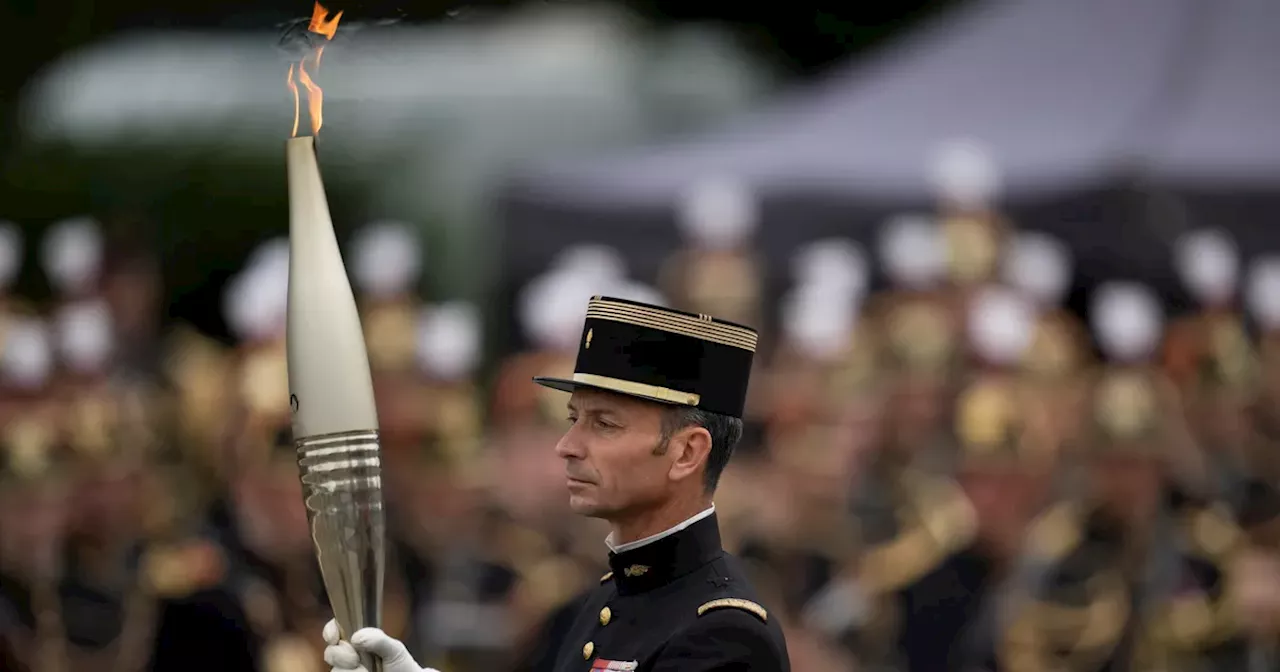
x: 315, y: 96
x: 296, y: 106
x: 321, y: 24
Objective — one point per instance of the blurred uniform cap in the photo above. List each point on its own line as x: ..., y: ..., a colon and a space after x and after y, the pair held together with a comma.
x: 255, y: 301
x: 819, y: 315
x: 1127, y: 321
x: 718, y: 213
x: 1262, y: 292
x: 387, y: 259
x: 1208, y: 262
x: 85, y: 336
x: 819, y: 322
x: 964, y: 174
x: 11, y: 253
x: 450, y: 340
x: 912, y: 251
x: 553, y: 309
x: 27, y: 359
x: 835, y: 263
x: 1000, y: 326
x: 601, y: 262
x: 72, y: 254
x: 26, y: 364
x: 1038, y: 265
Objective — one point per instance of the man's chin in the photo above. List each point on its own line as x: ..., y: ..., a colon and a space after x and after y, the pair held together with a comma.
x: 585, y: 507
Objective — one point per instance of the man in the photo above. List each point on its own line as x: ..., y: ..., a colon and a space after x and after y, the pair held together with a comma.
x: 656, y: 408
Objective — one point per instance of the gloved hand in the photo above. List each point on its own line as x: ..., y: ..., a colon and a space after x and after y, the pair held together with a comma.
x: 345, y: 656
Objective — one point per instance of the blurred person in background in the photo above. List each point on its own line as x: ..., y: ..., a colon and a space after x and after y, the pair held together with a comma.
x: 967, y: 183
x: 1209, y: 356
x: 35, y: 489
x: 133, y: 288
x: 919, y: 328
x: 796, y: 540
x: 716, y: 271
x: 1040, y: 268
x: 1255, y: 583
x: 680, y: 602
x: 1262, y: 299
x: 1126, y: 578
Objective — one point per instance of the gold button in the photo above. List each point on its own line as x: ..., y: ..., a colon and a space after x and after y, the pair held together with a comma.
x: 605, y: 616
x: 587, y: 649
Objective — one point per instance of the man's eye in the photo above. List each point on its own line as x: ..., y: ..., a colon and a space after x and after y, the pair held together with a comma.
x: 605, y: 424
x: 571, y: 419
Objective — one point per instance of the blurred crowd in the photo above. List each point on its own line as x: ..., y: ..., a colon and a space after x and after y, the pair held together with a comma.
x: 948, y: 472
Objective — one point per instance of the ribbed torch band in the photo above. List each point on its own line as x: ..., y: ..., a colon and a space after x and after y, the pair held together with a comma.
x: 346, y: 462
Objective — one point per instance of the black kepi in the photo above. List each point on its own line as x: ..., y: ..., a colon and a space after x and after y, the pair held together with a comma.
x: 662, y: 355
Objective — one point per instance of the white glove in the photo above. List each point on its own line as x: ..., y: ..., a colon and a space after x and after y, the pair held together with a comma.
x: 345, y: 656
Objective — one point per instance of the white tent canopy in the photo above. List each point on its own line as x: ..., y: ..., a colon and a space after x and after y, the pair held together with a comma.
x: 534, y: 80
x: 1064, y: 95
x: 1226, y: 127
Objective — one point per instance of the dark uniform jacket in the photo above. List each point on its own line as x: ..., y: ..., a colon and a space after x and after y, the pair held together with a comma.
x: 677, y: 604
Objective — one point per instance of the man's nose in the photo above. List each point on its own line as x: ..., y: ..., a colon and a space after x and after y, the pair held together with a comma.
x: 569, y: 446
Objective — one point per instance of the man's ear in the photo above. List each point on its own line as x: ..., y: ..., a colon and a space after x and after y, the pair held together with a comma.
x: 689, y: 448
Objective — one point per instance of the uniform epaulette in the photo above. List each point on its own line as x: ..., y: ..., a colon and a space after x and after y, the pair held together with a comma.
x: 606, y: 577
x: 735, y: 603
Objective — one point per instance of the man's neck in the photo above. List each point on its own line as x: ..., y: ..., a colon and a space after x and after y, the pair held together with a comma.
x: 655, y: 521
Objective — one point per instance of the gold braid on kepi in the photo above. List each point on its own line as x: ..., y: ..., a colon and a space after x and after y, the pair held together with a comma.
x: 662, y: 355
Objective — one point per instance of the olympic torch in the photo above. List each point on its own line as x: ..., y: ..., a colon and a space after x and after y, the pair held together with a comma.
x: 335, y: 421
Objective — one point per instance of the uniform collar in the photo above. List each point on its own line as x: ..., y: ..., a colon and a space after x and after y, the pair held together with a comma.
x: 658, y: 560
x: 632, y: 545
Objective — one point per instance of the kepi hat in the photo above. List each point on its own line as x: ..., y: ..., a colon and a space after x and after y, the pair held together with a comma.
x: 663, y: 355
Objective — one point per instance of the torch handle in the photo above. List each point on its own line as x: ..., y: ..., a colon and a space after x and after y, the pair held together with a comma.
x: 342, y: 490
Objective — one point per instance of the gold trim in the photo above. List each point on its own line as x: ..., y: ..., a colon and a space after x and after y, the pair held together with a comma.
x: 735, y: 603
x: 676, y: 323
x: 636, y: 570
x: 638, y: 389
x: 937, y: 521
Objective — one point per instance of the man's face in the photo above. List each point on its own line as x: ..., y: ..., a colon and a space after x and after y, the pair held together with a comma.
x: 614, y: 454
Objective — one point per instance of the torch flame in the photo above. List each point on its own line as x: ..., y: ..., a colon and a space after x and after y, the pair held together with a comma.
x: 321, y: 24
x: 293, y: 88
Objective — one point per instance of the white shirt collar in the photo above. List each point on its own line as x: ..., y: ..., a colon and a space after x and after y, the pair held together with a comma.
x: 622, y: 548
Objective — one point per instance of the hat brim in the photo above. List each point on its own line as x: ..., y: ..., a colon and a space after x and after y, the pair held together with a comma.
x: 626, y: 388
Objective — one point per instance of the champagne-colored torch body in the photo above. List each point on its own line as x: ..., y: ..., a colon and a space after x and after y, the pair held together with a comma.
x: 335, y: 421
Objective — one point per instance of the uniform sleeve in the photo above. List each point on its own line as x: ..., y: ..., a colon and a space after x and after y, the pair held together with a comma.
x: 725, y: 640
